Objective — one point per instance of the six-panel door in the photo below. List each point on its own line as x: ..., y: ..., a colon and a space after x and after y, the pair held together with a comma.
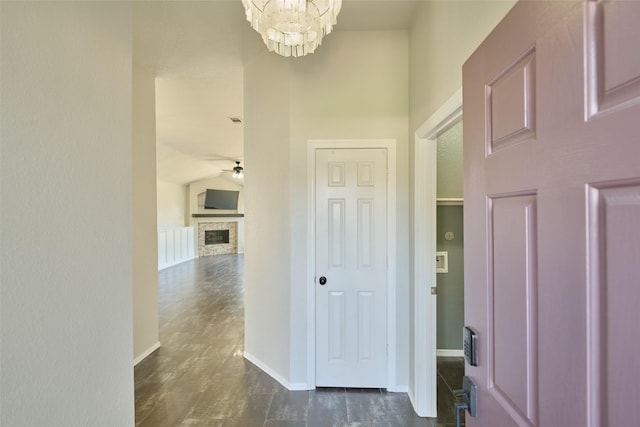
x: 552, y: 221
x: 351, y: 254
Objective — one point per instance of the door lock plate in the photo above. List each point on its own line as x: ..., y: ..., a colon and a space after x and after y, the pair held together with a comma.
x: 469, y: 394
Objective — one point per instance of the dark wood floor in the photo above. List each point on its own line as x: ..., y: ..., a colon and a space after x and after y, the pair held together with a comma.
x: 199, y: 377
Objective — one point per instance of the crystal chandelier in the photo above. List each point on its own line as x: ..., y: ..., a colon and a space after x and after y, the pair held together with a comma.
x: 292, y: 27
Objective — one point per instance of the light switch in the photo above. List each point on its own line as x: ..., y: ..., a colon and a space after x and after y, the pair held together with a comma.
x: 442, y: 262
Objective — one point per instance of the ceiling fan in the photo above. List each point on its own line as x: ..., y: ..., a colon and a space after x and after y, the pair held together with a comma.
x: 238, y: 171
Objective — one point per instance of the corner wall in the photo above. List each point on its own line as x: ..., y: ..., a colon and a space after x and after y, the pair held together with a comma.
x: 332, y: 94
x: 267, y: 215
x: 145, y: 231
x: 66, y: 186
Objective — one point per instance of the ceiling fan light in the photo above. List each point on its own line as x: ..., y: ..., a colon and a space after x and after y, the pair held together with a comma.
x: 238, y: 171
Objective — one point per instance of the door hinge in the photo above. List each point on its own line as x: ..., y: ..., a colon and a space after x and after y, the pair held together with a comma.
x: 434, y: 290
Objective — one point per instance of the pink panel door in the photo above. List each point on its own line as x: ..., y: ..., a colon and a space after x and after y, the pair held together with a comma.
x: 552, y: 215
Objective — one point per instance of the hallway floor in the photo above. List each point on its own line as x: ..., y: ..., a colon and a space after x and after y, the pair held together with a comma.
x: 199, y: 377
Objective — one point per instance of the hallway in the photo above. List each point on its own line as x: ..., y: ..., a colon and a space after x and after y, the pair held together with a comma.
x: 199, y: 377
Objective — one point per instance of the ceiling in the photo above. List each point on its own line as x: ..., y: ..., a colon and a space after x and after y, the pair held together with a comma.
x: 196, y: 50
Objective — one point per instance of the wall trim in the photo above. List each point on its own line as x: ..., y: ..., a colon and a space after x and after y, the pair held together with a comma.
x: 390, y: 146
x: 441, y: 201
x: 176, y: 245
x: 176, y: 263
x: 276, y: 376
x: 446, y: 352
x: 423, y: 355
x: 146, y: 353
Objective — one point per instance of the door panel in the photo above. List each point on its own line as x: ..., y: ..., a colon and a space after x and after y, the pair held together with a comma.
x: 336, y: 232
x: 337, y: 324
x: 511, y: 104
x: 613, y: 73
x: 351, y: 244
x: 552, y: 191
x: 512, y: 327
x: 614, y: 211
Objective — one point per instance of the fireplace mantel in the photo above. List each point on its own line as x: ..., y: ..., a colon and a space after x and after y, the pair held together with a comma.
x: 207, y: 215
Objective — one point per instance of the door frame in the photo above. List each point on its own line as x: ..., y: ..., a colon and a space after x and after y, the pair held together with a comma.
x: 422, y: 391
x: 390, y: 146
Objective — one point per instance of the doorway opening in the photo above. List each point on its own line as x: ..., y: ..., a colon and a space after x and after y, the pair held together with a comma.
x: 449, y: 243
x: 449, y: 270
x: 423, y: 389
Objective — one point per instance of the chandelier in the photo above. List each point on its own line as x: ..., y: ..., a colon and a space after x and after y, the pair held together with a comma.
x: 292, y: 27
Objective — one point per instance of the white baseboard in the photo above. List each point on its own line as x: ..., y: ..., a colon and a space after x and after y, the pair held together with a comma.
x: 412, y: 399
x: 449, y: 353
x: 273, y: 374
x: 173, y: 264
x: 398, y: 389
x: 303, y: 386
x: 145, y: 353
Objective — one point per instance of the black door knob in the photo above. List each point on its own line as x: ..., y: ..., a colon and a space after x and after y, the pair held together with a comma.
x: 323, y: 280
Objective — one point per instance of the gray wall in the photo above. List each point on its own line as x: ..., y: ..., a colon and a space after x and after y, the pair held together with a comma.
x: 451, y: 284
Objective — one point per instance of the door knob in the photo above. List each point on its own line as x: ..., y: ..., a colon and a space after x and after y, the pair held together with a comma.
x: 322, y: 280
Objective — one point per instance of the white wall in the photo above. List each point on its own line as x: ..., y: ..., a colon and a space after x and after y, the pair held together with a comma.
x: 267, y: 220
x: 332, y: 94
x: 172, y: 204
x: 145, y: 243
x: 443, y: 35
x: 65, y: 173
x: 354, y: 87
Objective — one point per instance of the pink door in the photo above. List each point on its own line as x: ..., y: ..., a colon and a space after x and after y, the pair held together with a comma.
x: 552, y: 215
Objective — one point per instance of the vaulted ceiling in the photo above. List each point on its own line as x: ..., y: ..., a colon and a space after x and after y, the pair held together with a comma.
x: 196, y: 50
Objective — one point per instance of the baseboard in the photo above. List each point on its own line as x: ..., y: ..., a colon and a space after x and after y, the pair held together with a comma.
x: 412, y: 399
x: 449, y: 353
x: 146, y: 353
x: 173, y: 264
x: 273, y: 374
x: 398, y: 389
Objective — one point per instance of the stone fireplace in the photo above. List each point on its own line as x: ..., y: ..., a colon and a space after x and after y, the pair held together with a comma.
x: 217, y: 238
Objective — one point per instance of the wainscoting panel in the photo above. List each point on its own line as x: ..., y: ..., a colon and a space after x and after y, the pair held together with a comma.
x: 175, y: 245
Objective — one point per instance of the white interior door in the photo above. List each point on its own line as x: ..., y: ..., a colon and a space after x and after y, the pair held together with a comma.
x: 351, y: 267
x: 552, y: 221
